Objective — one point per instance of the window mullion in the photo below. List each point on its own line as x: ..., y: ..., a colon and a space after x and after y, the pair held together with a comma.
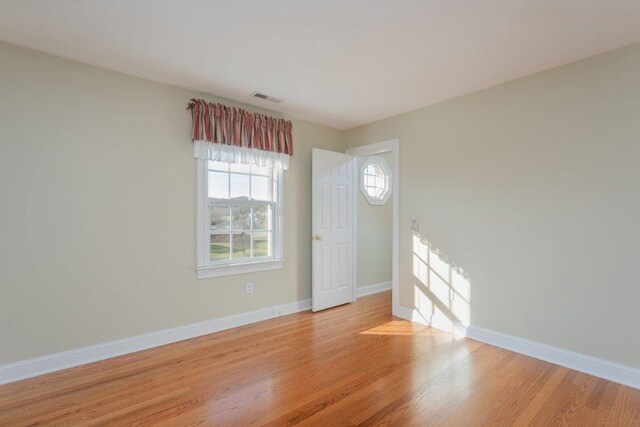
x: 230, y: 213
x: 250, y: 216
x: 250, y: 228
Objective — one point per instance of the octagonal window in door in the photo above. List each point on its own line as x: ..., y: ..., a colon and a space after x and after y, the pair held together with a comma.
x: 375, y: 180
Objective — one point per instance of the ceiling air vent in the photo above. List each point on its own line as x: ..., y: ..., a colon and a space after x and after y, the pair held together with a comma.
x: 267, y: 97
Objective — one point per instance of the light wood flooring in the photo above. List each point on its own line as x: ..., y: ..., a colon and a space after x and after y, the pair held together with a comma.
x: 351, y: 365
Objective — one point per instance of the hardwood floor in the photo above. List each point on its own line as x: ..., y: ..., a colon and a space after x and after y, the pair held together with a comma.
x: 354, y: 364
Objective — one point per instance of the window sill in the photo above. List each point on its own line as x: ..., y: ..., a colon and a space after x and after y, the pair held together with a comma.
x: 209, y: 271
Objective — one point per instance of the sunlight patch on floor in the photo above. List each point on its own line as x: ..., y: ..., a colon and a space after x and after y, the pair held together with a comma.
x: 399, y: 327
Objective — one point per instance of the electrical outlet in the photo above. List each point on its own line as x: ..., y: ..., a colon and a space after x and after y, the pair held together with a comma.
x: 415, y: 225
x: 249, y: 287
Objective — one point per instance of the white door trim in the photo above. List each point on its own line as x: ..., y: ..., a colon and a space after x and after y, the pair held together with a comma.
x: 392, y: 145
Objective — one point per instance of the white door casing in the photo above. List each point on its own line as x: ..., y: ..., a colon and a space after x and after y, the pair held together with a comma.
x: 332, y: 229
x: 392, y: 145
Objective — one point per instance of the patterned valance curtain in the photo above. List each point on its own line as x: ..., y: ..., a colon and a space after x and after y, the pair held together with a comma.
x: 234, y: 135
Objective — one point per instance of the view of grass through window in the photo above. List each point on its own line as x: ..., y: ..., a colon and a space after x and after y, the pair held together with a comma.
x: 241, y: 210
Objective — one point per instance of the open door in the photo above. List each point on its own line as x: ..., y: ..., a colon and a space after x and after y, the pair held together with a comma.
x: 332, y: 228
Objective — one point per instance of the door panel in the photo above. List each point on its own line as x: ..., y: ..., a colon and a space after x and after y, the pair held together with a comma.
x: 332, y: 227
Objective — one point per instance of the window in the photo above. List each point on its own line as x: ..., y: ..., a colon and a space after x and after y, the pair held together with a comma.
x: 375, y: 177
x: 240, y: 211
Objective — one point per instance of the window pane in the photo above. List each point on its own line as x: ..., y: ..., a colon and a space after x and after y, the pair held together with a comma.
x: 240, y: 167
x: 241, y: 211
x: 260, y: 189
x: 260, y: 170
x: 241, y: 217
x: 219, y: 247
x: 219, y: 166
x: 261, y: 243
x: 239, y: 187
x: 262, y: 217
x: 375, y: 180
x: 241, y: 245
x: 218, y: 185
x: 220, y: 217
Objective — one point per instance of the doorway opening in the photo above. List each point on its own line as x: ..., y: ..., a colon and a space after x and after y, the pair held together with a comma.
x: 376, y: 219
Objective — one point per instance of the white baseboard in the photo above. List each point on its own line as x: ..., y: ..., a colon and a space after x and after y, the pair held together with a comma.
x: 600, y: 368
x: 42, y: 365
x: 294, y: 307
x: 373, y: 289
x: 589, y: 365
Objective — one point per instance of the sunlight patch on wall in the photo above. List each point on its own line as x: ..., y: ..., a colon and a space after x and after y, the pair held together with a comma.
x: 442, y: 292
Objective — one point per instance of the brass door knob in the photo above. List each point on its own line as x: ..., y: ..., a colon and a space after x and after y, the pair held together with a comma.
x: 317, y: 237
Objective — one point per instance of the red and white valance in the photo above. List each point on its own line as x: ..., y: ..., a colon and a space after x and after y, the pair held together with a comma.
x: 230, y: 134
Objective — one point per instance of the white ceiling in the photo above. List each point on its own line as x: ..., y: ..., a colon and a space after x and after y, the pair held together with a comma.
x: 341, y: 63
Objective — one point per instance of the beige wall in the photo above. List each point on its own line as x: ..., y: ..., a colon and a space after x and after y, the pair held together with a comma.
x: 533, y: 188
x: 374, y: 235
x: 97, y: 225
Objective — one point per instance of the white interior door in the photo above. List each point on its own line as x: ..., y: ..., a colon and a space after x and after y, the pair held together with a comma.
x: 332, y: 228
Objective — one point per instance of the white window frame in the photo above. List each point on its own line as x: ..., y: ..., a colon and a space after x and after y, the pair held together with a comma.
x: 206, y: 268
